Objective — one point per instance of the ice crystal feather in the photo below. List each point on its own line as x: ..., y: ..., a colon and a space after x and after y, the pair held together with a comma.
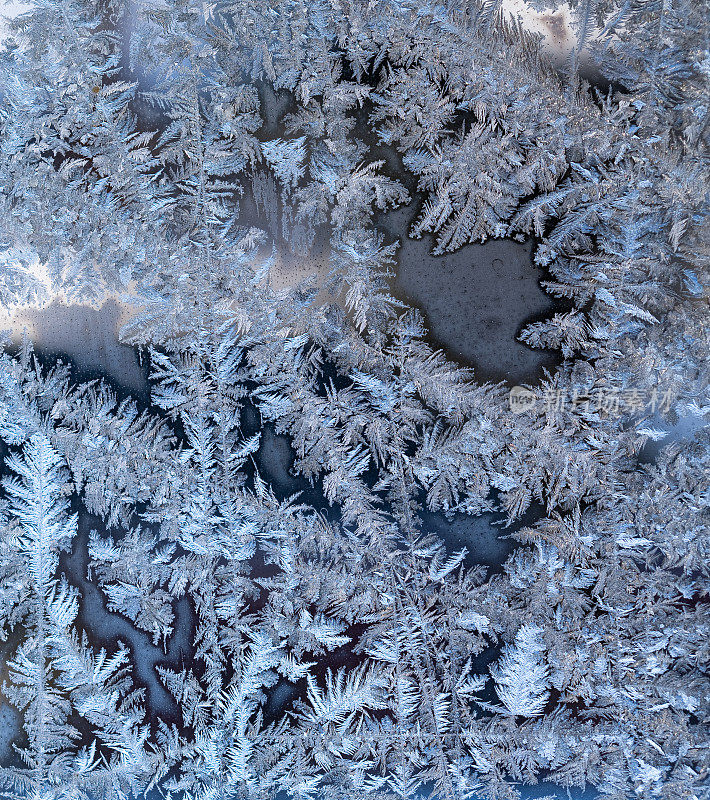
x: 521, y: 674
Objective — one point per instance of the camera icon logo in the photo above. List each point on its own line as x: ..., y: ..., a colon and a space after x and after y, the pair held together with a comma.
x: 521, y: 399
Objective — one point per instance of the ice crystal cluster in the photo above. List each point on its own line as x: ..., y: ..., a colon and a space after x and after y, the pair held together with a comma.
x: 182, y: 155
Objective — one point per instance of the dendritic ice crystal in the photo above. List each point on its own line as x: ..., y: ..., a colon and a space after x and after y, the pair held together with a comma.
x: 354, y: 400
